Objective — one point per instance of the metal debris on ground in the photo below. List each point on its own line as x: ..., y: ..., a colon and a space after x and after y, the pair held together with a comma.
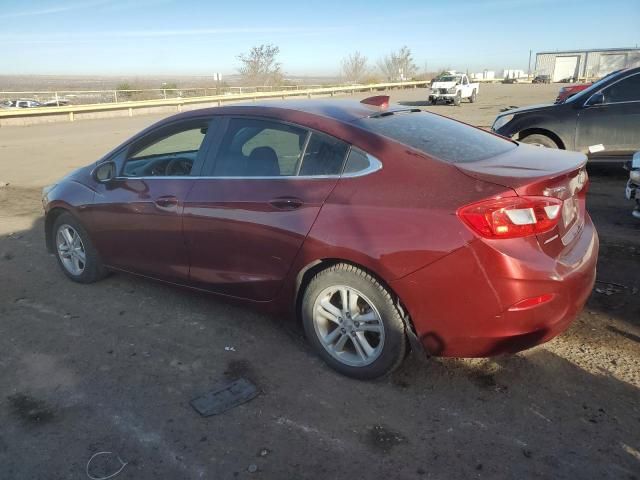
x: 252, y: 468
x: 230, y: 349
x: 224, y: 397
x: 122, y: 465
x: 608, y: 290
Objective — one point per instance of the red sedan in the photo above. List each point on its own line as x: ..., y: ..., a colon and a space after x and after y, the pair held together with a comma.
x: 570, y: 91
x: 382, y: 228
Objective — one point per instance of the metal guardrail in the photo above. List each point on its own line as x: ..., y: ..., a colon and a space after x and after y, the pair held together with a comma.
x: 71, y: 110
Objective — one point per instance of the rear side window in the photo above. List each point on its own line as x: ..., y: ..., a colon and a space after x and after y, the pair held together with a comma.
x: 324, y: 155
x: 437, y: 136
x: 259, y: 148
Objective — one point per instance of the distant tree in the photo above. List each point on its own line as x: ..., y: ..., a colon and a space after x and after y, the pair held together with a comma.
x: 124, y: 86
x: 260, y: 66
x: 398, y: 65
x: 354, y: 67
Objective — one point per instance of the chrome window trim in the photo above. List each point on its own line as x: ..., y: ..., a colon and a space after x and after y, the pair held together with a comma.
x: 374, y: 166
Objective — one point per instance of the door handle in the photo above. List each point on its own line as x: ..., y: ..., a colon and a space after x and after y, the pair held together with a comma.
x: 166, y: 201
x: 286, y: 203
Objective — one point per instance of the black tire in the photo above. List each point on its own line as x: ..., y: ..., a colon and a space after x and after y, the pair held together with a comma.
x: 540, y: 140
x: 473, y: 97
x: 93, y: 270
x: 457, y: 99
x: 433, y: 100
x: 394, y: 346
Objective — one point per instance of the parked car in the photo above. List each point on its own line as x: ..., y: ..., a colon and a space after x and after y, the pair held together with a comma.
x: 541, y: 79
x: 21, y: 104
x: 380, y: 227
x: 603, y: 120
x: 453, y: 88
x: 633, y: 185
x: 571, y: 90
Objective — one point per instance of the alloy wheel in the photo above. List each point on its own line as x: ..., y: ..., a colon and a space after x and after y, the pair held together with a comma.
x: 348, y: 325
x: 71, y: 249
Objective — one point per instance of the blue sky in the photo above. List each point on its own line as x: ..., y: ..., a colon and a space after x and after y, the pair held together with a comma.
x: 141, y: 37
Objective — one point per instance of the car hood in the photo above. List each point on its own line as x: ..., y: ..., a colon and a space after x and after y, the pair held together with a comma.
x: 531, y: 108
x: 443, y: 84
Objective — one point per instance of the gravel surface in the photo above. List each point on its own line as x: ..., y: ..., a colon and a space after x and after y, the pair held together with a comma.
x: 111, y: 367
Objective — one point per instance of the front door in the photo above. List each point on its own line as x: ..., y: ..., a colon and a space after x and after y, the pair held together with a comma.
x: 611, y: 128
x: 137, y: 217
x: 246, y: 221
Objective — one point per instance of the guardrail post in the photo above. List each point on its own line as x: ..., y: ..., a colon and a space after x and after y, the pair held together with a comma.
x: 115, y: 96
x: 130, y: 112
x: 71, y: 116
x: 57, y: 100
x: 164, y: 93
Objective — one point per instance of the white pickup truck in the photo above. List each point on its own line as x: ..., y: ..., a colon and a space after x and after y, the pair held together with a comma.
x: 452, y: 88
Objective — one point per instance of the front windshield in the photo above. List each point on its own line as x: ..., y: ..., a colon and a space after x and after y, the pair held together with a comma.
x: 586, y: 93
x: 449, y: 78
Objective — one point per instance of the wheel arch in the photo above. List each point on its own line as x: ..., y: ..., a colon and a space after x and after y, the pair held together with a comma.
x: 543, y: 131
x: 49, y: 220
x: 307, y: 273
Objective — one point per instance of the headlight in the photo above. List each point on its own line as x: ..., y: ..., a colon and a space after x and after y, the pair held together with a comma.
x: 634, y: 175
x: 501, y: 121
x: 452, y: 90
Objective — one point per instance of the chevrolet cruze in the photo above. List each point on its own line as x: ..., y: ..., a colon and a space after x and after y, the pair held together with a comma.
x: 381, y: 227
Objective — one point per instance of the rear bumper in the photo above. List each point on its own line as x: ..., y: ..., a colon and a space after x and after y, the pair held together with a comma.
x: 460, y: 305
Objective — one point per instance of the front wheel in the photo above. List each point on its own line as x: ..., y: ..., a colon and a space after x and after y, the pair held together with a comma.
x: 76, y: 254
x: 352, y: 322
x: 457, y: 99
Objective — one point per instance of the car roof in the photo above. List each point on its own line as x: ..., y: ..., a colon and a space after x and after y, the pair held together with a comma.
x: 341, y: 110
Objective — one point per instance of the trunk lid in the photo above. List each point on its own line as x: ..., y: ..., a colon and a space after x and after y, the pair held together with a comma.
x: 539, y: 171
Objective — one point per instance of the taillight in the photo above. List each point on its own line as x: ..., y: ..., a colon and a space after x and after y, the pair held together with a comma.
x: 512, y: 217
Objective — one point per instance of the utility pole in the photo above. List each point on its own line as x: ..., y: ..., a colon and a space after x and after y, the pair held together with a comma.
x: 529, y: 69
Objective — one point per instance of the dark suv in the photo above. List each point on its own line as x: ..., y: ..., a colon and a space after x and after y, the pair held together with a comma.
x: 602, y: 121
x: 542, y: 79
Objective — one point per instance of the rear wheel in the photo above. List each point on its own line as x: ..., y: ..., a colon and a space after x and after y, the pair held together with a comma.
x: 457, y: 99
x: 76, y: 254
x: 539, y: 140
x: 352, y: 322
x: 472, y: 98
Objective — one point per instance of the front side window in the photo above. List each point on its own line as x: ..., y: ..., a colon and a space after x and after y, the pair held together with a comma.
x: 259, y: 148
x: 627, y: 90
x: 168, y: 152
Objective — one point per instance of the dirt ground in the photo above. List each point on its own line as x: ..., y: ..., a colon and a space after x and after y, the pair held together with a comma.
x: 111, y: 367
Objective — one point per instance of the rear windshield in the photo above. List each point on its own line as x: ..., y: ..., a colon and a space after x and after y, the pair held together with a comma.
x: 437, y: 136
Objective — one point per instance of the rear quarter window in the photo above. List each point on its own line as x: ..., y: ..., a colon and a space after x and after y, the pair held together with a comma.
x: 437, y: 136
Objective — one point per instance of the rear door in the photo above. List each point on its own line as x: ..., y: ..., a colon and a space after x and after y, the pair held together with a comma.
x: 137, y: 217
x: 247, y: 217
x: 612, y: 128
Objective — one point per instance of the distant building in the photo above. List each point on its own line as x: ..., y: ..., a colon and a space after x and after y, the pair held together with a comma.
x: 511, y: 73
x: 485, y: 75
x: 585, y: 63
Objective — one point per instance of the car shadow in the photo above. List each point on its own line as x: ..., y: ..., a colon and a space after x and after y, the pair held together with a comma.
x: 116, y: 362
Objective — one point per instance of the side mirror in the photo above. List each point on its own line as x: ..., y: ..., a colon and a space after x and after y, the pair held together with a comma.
x: 105, y: 172
x: 595, y: 99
